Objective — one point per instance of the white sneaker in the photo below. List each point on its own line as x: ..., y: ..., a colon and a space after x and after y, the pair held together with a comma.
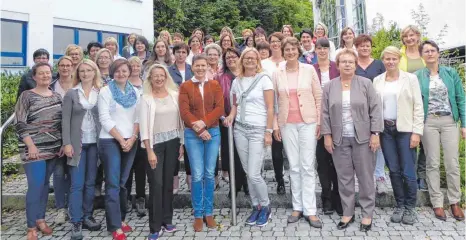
x: 61, y: 216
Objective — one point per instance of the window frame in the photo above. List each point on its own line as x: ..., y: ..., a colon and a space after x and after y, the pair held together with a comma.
x: 23, y: 53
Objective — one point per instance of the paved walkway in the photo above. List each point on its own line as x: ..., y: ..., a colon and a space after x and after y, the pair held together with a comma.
x: 427, y: 227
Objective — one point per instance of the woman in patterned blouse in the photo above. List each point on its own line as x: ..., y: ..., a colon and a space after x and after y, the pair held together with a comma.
x: 38, y: 125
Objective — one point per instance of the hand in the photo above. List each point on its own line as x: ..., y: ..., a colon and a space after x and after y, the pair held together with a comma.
x: 267, y: 139
x: 181, y: 152
x: 277, y: 135
x: 152, y: 158
x: 68, y: 150
x: 328, y: 143
x: 228, y: 121
x: 61, y: 152
x: 415, y: 139
x: 198, y: 125
x: 318, y: 132
x: 374, y: 142
x: 33, y: 152
x: 463, y: 133
x: 129, y: 144
x: 205, y: 136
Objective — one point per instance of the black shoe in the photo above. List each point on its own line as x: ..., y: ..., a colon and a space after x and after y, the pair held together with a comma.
x: 91, y: 224
x: 51, y: 190
x: 281, y: 187
x: 327, y: 208
x: 246, y: 189
x: 141, y: 207
x: 365, y: 228
x: 422, y: 184
x: 343, y: 225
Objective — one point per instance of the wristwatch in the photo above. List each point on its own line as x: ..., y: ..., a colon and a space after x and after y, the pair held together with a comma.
x: 269, y: 131
x: 376, y: 133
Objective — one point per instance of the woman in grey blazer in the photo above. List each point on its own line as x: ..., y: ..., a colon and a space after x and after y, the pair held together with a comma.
x: 351, y: 122
x: 80, y: 126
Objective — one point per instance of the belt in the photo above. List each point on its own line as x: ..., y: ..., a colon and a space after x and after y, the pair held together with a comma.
x: 390, y: 123
x: 440, y: 114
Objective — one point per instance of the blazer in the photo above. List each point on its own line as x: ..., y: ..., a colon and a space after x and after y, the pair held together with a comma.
x: 409, y: 109
x: 147, y: 109
x: 366, y: 110
x: 332, y: 69
x: 176, y: 74
x: 309, y: 94
x: 72, y: 120
x: 193, y: 106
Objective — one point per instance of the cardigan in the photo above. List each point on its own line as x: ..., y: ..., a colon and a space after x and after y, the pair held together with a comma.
x: 409, y: 111
x: 309, y: 94
x: 194, y: 107
x: 72, y: 119
x: 333, y: 71
x: 147, y: 117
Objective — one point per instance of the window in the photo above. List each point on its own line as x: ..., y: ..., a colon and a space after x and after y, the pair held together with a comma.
x: 13, y: 43
x: 63, y: 36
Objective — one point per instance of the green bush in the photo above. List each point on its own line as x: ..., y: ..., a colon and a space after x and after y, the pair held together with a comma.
x: 9, y: 86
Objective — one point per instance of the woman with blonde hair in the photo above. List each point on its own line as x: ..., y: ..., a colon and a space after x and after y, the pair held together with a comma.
x: 76, y: 53
x: 253, y: 112
x: 80, y: 128
x: 287, y: 31
x: 163, y: 143
x: 104, y: 60
x: 128, y: 50
x: 321, y: 31
x: 165, y: 35
x: 111, y: 44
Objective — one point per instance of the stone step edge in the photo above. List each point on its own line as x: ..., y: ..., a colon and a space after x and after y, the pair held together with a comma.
x: 183, y: 200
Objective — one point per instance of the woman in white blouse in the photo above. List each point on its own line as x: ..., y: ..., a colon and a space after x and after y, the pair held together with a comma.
x: 162, y: 137
x: 403, y: 116
x: 117, y: 142
x: 80, y: 126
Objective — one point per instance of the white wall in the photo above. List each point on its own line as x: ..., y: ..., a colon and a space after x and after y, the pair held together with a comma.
x: 122, y: 16
x: 441, y: 12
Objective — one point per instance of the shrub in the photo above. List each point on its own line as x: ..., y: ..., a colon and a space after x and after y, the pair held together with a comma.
x: 9, y: 90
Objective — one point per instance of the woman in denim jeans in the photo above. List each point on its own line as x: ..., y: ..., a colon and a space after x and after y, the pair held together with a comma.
x: 201, y: 106
x: 403, y: 126
x: 117, y: 143
x: 80, y: 125
x: 252, y: 111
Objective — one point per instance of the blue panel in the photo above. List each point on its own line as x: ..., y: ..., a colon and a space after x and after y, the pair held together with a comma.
x: 76, y: 36
x: 25, y: 44
x: 99, y: 36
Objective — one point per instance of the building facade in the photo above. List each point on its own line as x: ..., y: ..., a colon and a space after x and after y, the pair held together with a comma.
x: 27, y: 25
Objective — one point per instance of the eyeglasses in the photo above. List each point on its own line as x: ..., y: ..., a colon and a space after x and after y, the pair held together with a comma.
x: 42, y: 58
x: 64, y: 66
x: 231, y: 57
x: 427, y: 52
x: 250, y: 59
x: 103, y: 58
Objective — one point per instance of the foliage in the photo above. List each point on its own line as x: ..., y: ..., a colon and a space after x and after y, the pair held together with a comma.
x: 384, y: 38
x: 212, y: 15
x: 9, y: 89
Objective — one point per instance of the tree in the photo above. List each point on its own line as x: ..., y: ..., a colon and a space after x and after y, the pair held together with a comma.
x: 384, y: 38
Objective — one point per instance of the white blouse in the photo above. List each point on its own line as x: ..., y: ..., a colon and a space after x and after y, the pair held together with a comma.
x: 88, y: 127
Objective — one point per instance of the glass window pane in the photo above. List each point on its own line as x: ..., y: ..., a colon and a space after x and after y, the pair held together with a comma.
x: 12, y: 37
x: 106, y: 35
x: 61, y: 38
x: 85, y: 37
x: 12, y: 61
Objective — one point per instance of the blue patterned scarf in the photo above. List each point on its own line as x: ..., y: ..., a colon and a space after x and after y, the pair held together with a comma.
x: 127, y: 99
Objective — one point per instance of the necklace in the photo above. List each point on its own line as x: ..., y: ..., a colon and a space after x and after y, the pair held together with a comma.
x: 291, y: 69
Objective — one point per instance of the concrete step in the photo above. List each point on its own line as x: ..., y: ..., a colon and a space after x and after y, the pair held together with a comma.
x: 13, y: 194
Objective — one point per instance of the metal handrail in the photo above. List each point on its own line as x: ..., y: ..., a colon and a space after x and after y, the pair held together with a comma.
x: 232, y: 175
x: 2, y: 129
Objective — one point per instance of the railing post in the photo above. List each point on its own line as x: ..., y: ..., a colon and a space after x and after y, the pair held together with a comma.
x: 2, y: 130
x: 232, y: 175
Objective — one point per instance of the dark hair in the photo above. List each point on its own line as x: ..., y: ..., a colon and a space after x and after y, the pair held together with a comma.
x: 249, y: 38
x: 264, y: 45
x: 231, y: 40
x: 191, y: 39
x: 224, y: 58
x: 198, y: 57
x: 278, y: 35
x: 143, y: 40
x: 293, y: 42
x: 306, y: 30
x: 38, y: 65
x: 322, y: 42
x: 117, y: 64
x: 93, y: 44
x: 343, y: 32
x: 258, y: 31
x: 207, y: 37
x: 39, y: 52
x: 362, y: 39
x: 429, y: 42
x: 178, y: 35
x: 179, y: 46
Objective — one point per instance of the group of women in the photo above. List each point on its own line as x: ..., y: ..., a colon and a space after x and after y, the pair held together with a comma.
x: 144, y: 114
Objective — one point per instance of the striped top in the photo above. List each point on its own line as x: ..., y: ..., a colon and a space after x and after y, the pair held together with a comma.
x: 40, y: 118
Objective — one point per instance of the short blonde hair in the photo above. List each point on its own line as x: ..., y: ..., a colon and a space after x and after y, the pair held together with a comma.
x: 346, y: 51
x: 409, y: 28
x: 169, y: 83
x: 391, y: 50
x: 96, y: 82
x: 245, y: 51
x: 111, y: 40
x: 246, y: 31
x: 63, y: 58
x: 214, y: 46
x: 102, y: 50
x: 135, y: 59
x: 72, y: 47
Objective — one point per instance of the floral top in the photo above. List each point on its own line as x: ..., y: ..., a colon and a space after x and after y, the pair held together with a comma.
x: 438, y: 96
